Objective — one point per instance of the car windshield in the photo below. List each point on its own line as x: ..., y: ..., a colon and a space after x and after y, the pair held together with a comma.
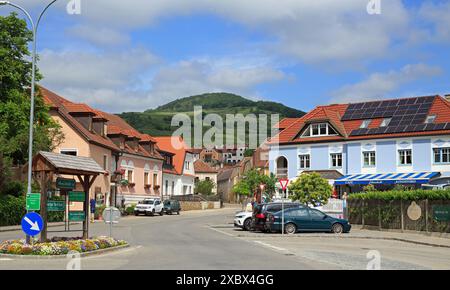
x: 149, y: 201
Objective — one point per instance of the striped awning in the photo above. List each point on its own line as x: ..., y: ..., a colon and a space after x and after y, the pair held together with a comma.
x: 387, y: 178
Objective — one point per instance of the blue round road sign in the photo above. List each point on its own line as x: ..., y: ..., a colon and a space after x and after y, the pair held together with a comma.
x: 32, y: 224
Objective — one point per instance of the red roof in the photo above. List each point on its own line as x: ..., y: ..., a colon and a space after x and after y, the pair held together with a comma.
x: 116, y: 125
x: 176, y: 146
x: 333, y: 114
x: 202, y: 167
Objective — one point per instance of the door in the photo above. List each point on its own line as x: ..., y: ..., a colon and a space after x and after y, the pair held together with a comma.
x: 301, y: 218
x: 319, y: 220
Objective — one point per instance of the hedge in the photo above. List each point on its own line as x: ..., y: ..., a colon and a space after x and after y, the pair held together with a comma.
x: 418, y: 194
x: 12, y: 209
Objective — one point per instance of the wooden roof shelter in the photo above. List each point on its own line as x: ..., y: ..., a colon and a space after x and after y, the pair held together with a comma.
x: 46, y: 165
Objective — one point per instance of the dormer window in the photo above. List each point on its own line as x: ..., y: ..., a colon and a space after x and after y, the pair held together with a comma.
x: 365, y: 124
x: 385, y: 122
x: 319, y: 129
x: 430, y: 119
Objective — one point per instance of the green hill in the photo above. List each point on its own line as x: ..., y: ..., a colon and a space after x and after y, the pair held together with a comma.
x: 157, y: 122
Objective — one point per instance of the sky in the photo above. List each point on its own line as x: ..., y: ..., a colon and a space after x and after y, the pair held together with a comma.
x: 135, y: 55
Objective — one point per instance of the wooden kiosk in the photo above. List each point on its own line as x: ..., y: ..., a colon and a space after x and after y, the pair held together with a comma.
x: 46, y: 165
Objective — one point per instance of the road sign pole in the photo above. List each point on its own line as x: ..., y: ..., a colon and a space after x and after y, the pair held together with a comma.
x: 110, y: 222
x: 282, y: 213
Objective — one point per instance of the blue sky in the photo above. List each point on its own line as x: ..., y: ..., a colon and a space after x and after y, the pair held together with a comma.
x: 137, y: 54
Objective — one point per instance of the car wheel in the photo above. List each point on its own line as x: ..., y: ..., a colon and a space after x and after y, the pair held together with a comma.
x: 161, y: 213
x: 153, y: 212
x: 178, y: 212
x: 337, y: 229
x: 136, y: 214
x: 247, y: 224
x: 290, y: 229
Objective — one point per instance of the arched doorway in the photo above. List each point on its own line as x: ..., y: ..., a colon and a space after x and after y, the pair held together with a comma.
x: 282, y: 167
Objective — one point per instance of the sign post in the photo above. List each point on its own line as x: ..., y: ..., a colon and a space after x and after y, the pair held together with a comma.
x: 284, y: 183
x: 32, y: 224
x: 33, y: 201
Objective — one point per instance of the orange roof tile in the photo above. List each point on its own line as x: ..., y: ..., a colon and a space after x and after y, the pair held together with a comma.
x: 202, y: 167
x: 176, y: 146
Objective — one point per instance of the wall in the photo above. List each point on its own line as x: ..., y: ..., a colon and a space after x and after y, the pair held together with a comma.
x: 212, y: 176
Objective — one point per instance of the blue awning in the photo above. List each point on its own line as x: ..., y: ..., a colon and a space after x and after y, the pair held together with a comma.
x: 387, y: 178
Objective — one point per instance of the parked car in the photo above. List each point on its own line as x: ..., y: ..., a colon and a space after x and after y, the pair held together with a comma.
x: 260, y: 212
x: 435, y: 186
x: 172, y: 206
x: 306, y: 219
x: 243, y: 220
x: 149, y: 206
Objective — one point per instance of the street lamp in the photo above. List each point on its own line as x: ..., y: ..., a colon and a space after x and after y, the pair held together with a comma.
x: 33, y: 79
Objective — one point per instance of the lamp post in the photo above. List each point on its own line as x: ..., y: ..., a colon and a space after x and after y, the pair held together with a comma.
x: 33, y: 80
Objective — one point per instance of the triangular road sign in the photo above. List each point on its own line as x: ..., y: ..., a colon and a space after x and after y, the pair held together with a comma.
x: 284, y: 183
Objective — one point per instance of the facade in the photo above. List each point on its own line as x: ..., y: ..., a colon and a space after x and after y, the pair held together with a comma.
x: 122, y: 152
x: 401, y: 141
x: 205, y: 172
x: 178, y: 167
x: 233, y: 156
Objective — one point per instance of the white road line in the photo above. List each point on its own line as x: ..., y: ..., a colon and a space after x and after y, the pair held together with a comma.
x: 6, y: 259
x: 271, y: 246
x: 222, y: 232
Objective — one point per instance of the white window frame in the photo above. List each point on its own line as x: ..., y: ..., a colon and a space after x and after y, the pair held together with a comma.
x: 309, y: 131
x: 332, y: 158
x: 365, y: 124
x: 371, y: 164
x: 304, y: 158
x: 441, y: 154
x: 402, y: 157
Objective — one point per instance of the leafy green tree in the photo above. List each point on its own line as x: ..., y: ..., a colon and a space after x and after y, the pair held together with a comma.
x: 249, y: 152
x: 15, y: 81
x: 251, y: 182
x: 204, y: 187
x: 311, y: 189
x: 242, y: 188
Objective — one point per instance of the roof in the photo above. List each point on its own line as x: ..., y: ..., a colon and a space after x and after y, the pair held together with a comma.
x: 202, y: 167
x: 176, y: 146
x: 407, y: 120
x: 327, y: 174
x: 62, y: 162
x: 225, y: 174
x: 116, y: 125
x: 284, y: 123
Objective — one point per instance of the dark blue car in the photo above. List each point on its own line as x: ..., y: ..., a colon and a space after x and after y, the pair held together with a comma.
x: 305, y: 219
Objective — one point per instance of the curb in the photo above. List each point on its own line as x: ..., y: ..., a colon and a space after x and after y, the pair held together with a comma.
x: 82, y: 255
x: 18, y: 228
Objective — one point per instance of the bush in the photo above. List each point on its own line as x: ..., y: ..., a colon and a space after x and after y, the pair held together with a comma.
x: 99, y: 211
x: 14, y: 188
x: 12, y: 209
x: 129, y: 210
x: 418, y: 194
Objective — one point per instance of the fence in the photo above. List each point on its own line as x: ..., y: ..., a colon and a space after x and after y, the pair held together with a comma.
x: 420, y: 215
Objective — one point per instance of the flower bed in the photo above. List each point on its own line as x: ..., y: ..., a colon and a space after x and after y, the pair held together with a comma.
x: 59, y: 246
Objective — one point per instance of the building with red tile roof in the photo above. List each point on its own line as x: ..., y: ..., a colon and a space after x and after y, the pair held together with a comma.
x: 379, y: 142
x: 178, y: 171
x: 132, y: 159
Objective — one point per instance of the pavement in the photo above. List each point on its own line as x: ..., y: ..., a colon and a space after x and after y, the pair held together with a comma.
x: 207, y: 240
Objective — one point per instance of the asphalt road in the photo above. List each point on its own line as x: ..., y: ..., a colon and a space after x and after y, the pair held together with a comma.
x: 207, y: 240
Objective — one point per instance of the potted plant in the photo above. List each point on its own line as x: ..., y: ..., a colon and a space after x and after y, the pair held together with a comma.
x: 147, y: 186
x: 124, y: 182
x: 156, y: 187
x: 132, y: 184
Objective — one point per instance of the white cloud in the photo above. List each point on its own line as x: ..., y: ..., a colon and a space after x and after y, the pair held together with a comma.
x: 438, y: 15
x: 378, y: 85
x: 136, y: 81
x: 101, y: 36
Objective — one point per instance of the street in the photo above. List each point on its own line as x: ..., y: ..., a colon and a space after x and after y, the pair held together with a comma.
x: 207, y: 240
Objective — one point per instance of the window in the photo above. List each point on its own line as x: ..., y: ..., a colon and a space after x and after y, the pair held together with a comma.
x: 72, y: 152
x: 166, y: 191
x: 298, y: 213
x: 155, y: 179
x: 320, y: 129
x: 130, y: 176
x: 441, y: 155
x: 105, y: 162
x: 173, y: 187
x: 186, y: 165
x: 146, y: 178
x: 430, y: 119
x: 336, y: 160
x: 385, y: 122
x: 365, y: 124
x: 305, y: 161
x: 316, y: 215
x: 405, y: 157
x: 369, y: 158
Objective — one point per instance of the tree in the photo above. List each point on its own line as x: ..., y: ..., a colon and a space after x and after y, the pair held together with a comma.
x: 15, y: 81
x: 251, y: 182
x: 249, y: 152
x: 311, y: 189
x: 204, y: 187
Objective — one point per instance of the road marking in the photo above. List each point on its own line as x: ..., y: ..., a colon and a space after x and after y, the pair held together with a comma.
x: 6, y: 259
x: 222, y: 232
x: 271, y: 246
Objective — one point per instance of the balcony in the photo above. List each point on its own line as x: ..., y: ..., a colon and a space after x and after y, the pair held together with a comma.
x: 282, y: 173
